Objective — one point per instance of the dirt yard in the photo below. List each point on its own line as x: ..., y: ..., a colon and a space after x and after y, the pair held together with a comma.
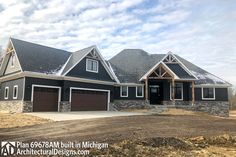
x: 173, y: 133
x: 11, y: 120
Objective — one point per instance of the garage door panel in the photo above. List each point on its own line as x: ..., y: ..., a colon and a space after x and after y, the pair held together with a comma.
x: 45, y: 99
x: 82, y: 100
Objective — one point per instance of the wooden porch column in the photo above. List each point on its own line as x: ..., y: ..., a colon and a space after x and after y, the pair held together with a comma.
x: 193, y: 93
x: 173, y: 91
x: 146, y: 89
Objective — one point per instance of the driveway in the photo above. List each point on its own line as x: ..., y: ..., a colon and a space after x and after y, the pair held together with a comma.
x: 62, y: 116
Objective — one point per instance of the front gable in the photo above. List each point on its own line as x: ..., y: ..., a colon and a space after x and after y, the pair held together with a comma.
x: 10, y: 64
x: 83, y: 70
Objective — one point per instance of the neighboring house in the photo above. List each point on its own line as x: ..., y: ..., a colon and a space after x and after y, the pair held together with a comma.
x: 39, y: 78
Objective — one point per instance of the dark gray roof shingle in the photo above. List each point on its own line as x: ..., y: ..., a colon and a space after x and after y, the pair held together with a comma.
x: 179, y: 71
x: 39, y: 58
x: 131, y: 64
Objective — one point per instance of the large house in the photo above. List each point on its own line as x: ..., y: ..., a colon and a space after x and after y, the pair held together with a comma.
x: 36, y: 78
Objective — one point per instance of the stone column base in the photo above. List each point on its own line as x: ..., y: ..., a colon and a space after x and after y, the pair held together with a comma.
x: 65, y: 106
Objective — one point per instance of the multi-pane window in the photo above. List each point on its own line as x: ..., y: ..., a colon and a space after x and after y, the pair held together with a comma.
x: 6, y: 92
x: 15, y: 92
x: 139, y: 91
x: 208, y: 93
x: 12, y: 60
x: 124, y: 91
x: 91, y: 65
x: 179, y: 91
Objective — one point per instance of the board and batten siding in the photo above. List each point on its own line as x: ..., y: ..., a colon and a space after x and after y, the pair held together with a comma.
x: 11, y: 84
x: 29, y: 81
x: 80, y: 71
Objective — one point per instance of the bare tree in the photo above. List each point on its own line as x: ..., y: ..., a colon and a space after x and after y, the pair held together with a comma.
x: 232, y: 98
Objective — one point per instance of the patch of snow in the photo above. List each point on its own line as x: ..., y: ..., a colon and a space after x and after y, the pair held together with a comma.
x: 204, y: 77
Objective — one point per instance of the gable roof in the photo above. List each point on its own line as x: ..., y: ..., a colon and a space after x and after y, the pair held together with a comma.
x: 42, y: 59
x: 39, y: 58
x: 131, y: 64
x: 76, y: 58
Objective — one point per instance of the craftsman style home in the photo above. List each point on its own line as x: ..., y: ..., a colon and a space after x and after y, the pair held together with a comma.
x: 36, y: 78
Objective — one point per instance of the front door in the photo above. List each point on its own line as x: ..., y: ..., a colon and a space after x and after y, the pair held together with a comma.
x: 155, y: 94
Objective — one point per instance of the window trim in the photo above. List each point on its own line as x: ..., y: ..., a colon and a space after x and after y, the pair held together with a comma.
x: 182, y: 91
x: 87, y: 59
x: 123, y: 96
x: 137, y: 92
x: 6, y: 96
x: 214, y: 93
x: 16, y: 86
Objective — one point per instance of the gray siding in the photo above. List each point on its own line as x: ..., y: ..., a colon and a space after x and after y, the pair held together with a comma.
x: 10, y: 84
x: 80, y: 71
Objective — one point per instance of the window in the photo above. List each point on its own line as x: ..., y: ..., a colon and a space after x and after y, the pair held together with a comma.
x: 91, y: 65
x: 6, y: 92
x: 124, y: 91
x: 12, y: 60
x: 15, y: 92
x: 139, y: 91
x: 208, y: 93
x: 178, y: 91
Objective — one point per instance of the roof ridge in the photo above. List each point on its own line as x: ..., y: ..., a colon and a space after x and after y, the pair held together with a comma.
x: 38, y: 44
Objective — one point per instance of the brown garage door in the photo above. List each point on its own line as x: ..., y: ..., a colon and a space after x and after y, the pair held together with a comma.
x: 45, y: 99
x: 84, y: 100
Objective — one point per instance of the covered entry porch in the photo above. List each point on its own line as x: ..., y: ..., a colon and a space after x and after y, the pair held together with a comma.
x: 164, y: 87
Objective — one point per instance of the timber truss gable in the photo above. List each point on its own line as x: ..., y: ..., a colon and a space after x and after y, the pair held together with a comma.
x: 161, y: 72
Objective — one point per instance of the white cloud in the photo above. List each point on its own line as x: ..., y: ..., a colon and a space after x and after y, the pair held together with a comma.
x: 200, y: 31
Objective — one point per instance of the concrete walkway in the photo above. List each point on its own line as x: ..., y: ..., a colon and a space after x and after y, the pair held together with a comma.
x: 62, y: 116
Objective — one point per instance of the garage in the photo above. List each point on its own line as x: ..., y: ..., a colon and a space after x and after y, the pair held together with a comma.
x: 45, y: 99
x: 89, y: 100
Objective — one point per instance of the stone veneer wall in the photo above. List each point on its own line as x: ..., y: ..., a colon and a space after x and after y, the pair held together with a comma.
x: 218, y: 108
x: 11, y: 106
x: 130, y: 104
x: 65, y: 106
x: 27, y: 106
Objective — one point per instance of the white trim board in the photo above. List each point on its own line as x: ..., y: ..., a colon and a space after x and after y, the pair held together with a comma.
x: 181, y: 64
x: 6, y: 96
x: 154, y: 67
x: 17, y: 91
x: 124, y: 96
x: 45, y: 86
x: 91, y: 89
x: 78, y: 60
x: 102, y: 60
x: 136, y: 89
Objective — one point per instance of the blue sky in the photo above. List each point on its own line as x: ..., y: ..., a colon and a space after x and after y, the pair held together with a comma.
x: 201, y: 31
